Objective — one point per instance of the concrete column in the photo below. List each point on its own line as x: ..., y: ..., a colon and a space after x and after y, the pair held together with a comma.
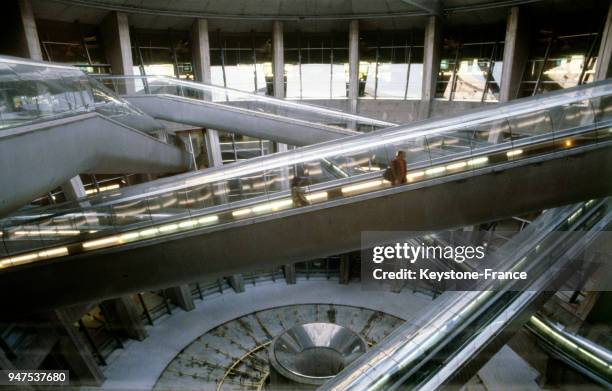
x: 431, y: 64
x: 73, y: 348
x: 115, y: 30
x: 181, y: 296
x: 236, y: 281
x: 353, y: 92
x: 74, y: 189
x: 345, y: 268
x: 124, y: 318
x: 200, y: 50
x: 213, y: 148
x: 278, y: 61
x: 604, y: 57
x: 200, y: 54
x: 28, y: 24
x: 516, y: 51
x: 289, y: 272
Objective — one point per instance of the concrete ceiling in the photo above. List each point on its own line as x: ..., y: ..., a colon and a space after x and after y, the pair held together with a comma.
x: 305, y: 15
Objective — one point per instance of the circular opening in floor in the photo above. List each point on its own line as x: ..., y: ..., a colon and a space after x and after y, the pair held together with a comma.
x: 311, y: 353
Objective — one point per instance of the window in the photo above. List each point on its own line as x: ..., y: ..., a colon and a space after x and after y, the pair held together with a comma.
x: 162, y: 54
x: 558, y: 62
x: 391, y: 65
x: 72, y: 43
x: 235, y: 147
x: 242, y: 62
x: 316, y: 66
x: 470, y: 71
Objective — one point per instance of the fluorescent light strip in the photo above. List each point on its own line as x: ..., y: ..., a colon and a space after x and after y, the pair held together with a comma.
x: 168, y: 228
x: 54, y: 252
x: 187, y: 224
x: 148, y: 232
x: 129, y: 236
x: 208, y: 219
x: 435, y: 170
x: 362, y: 186
x: 104, y: 242
x: 456, y: 166
x: 514, y: 152
x: 241, y: 212
x: 23, y: 258
x: 414, y: 175
x: 272, y: 206
x: 314, y: 197
x: 477, y: 161
x: 48, y: 232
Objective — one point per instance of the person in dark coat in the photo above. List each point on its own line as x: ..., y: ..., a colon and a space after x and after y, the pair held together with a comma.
x: 398, y: 165
x: 297, y: 192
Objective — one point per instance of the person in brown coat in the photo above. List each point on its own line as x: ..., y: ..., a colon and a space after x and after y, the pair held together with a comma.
x: 398, y: 165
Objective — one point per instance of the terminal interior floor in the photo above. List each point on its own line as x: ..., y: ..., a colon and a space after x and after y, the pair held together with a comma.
x: 230, y: 195
x: 222, y: 344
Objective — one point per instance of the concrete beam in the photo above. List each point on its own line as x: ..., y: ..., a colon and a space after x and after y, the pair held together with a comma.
x: 74, y: 189
x: 181, y: 296
x: 431, y: 64
x: 115, y: 30
x: 124, y: 318
x: 432, y: 7
x: 73, y: 348
x: 289, y: 272
x: 345, y: 268
x: 604, y: 57
x: 353, y: 93
x: 516, y: 51
x: 30, y: 33
x: 236, y: 281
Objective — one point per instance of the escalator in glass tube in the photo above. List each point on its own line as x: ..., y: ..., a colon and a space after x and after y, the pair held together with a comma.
x: 240, y: 112
x: 447, y: 344
x: 56, y: 122
x: 491, y: 163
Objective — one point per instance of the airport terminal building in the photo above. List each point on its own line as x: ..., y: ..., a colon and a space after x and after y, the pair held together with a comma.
x: 306, y: 195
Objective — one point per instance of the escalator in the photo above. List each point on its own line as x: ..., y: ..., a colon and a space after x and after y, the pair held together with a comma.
x: 449, y: 343
x: 240, y: 112
x: 496, y: 162
x: 56, y: 123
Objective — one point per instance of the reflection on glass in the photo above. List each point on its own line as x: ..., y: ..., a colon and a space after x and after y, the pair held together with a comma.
x: 559, y: 62
x: 242, y: 62
x: 316, y: 66
x: 470, y: 71
x: 34, y: 92
x: 162, y: 53
x: 391, y: 66
x: 249, y: 101
x: 235, y: 147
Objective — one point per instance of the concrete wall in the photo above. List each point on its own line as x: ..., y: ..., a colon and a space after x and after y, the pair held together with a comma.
x: 400, y: 111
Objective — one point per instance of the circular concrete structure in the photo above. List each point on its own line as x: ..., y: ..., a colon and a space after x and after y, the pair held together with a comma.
x: 314, y: 352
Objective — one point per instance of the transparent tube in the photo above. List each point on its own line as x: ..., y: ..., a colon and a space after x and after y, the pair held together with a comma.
x: 500, y: 136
